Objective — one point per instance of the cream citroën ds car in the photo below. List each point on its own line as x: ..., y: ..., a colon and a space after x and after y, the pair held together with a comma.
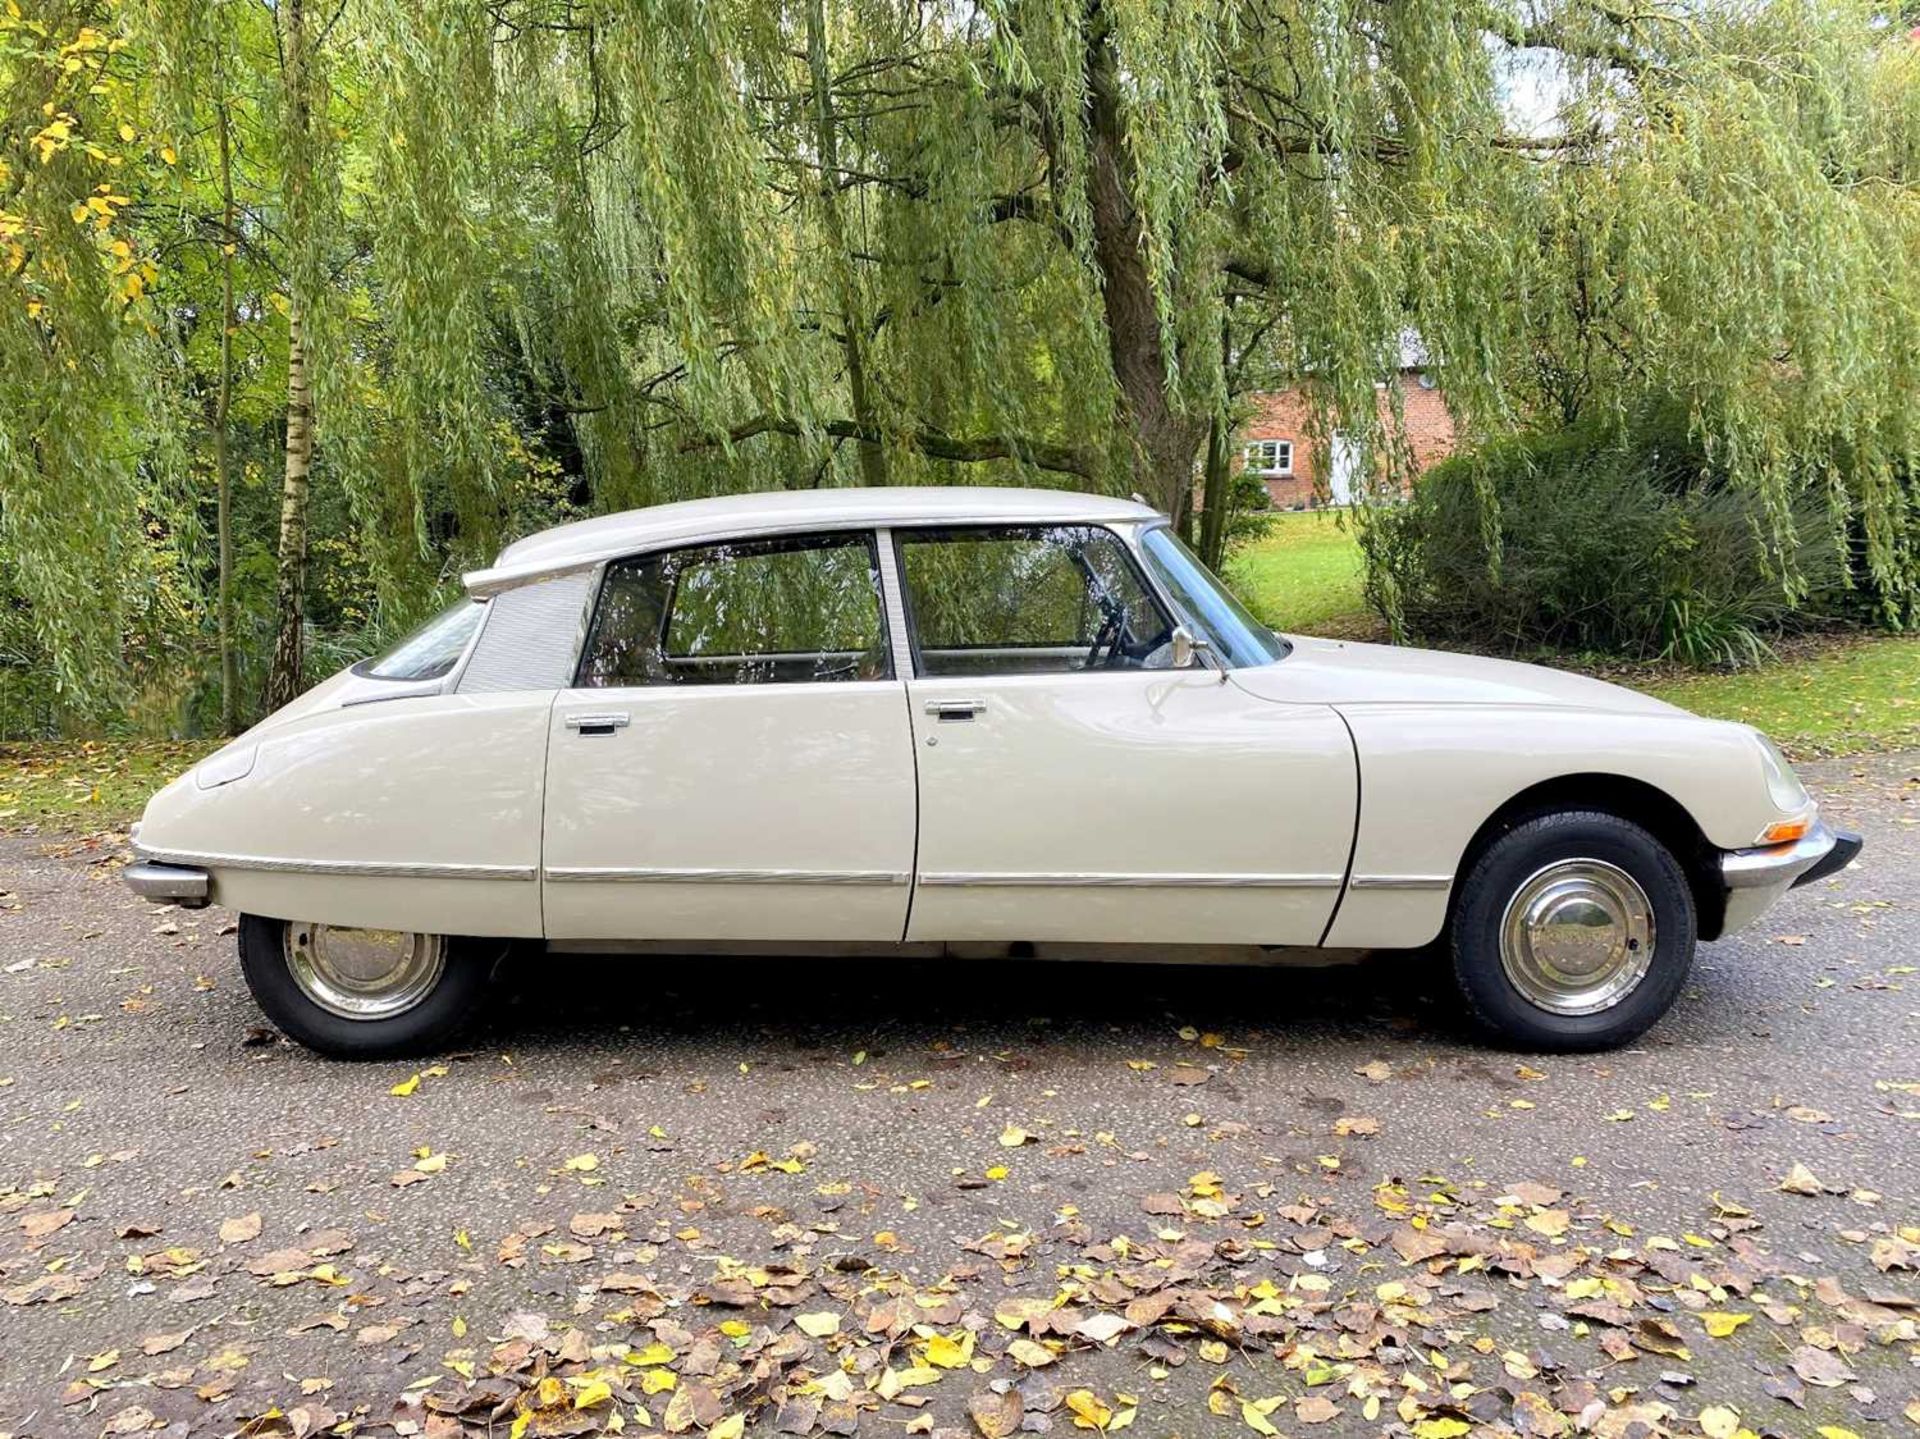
x: 989, y: 721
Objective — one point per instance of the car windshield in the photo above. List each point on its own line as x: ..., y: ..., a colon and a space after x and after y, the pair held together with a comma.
x: 430, y: 652
x: 1208, y: 605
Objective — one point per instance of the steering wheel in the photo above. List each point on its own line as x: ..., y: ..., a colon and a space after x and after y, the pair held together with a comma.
x: 1111, y: 628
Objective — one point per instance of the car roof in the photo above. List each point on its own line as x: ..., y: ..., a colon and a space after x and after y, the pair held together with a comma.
x: 584, y: 543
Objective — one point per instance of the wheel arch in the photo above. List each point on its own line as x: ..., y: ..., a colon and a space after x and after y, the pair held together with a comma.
x: 1634, y: 800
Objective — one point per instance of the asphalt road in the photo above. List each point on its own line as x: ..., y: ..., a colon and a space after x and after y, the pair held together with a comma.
x: 203, y: 1228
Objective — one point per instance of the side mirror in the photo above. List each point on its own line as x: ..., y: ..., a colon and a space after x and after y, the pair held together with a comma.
x: 1189, y: 649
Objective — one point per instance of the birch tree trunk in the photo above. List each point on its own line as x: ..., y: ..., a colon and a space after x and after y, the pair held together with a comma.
x: 222, y: 409
x: 286, y: 674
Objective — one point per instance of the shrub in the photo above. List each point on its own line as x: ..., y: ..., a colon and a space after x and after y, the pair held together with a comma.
x: 1250, y: 508
x: 1609, y: 539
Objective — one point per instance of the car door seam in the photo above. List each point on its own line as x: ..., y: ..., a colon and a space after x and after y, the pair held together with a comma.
x: 546, y: 772
x: 913, y: 862
x: 1353, y: 846
x: 900, y: 651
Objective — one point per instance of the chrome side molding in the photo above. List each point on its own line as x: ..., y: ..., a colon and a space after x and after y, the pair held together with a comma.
x: 1095, y: 880
x: 616, y: 874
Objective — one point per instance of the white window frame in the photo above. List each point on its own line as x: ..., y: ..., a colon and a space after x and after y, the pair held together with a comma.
x: 1281, y: 463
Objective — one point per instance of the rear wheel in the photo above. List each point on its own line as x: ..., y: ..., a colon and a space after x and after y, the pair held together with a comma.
x: 363, y: 993
x: 1572, y: 931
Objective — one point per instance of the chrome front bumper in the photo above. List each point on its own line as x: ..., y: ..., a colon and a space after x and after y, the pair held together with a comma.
x: 168, y: 883
x: 1755, y: 878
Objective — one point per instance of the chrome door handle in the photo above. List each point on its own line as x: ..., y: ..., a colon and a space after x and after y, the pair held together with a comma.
x: 955, y: 709
x: 598, y: 724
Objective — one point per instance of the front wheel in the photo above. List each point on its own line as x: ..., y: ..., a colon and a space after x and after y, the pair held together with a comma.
x: 1572, y: 931
x: 362, y: 993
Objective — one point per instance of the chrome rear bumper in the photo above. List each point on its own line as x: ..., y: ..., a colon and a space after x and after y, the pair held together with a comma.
x: 168, y: 883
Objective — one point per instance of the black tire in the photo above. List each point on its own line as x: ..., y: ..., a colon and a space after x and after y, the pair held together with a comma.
x: 1498, y: 871
x: 437, y: 1017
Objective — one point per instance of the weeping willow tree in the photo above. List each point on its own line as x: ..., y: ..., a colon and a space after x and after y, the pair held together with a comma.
x: 936, y: 235
x: 543, y: 255
x: 1733, y: 222
x: 1059, y: 236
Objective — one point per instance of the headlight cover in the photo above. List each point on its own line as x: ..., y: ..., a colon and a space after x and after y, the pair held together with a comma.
x: 1789, y: 796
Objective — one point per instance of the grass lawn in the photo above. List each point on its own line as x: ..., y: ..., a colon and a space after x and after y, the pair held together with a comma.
x: 1820, y: 697
x: 1841, y: 697
x: 87, y: 785
x: 1303, y: 575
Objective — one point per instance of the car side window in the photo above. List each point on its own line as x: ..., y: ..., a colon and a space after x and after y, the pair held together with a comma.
x: 794, y: 610
x: 1053, y: 599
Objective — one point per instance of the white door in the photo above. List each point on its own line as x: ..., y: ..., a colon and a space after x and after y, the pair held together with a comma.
x: 735, y: 762
x: 1343, y: 474
x: 1073, y: 788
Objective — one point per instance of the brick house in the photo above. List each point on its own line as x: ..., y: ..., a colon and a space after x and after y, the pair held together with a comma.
x: 1276, y: 445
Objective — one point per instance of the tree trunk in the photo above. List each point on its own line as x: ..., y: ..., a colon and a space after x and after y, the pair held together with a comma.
x: 1216, y: 494
x: 873, y: 457
x: 1216, y: 503
x: 1164, y: 438
x: 286, y: 675
x: 222, y: 408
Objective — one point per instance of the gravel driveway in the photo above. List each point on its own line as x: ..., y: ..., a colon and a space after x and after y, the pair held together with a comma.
x: 805, y: 1198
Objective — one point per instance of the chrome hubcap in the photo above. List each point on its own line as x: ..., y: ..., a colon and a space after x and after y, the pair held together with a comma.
x: 364, y: 973
x: 1577, y: 937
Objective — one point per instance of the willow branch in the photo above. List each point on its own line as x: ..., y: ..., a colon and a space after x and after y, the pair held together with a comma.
x: 933, y: 443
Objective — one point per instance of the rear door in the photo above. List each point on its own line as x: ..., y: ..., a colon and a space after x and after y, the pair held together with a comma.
x: 734, y: 760
x: 1073, y: 787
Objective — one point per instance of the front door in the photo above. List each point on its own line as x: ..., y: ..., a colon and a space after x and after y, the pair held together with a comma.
x: 1074, y: 787
x: 1343, y: 473
x: 735, y: 760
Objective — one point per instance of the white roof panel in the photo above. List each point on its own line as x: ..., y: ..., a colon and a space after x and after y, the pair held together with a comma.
x: 584, y: 543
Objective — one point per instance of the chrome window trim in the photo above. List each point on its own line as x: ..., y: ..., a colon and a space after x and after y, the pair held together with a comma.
x: 484, y: 583
x: 451, y: 683
x: 1087, y: 879
x: 617, y: 874
x: 1128, y: 548
x: 596, y: 591
x: 366, y: 868
x: 583, y: 631
x: 1137, y: 538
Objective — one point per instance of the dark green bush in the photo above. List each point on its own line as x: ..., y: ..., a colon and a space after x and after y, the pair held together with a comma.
x: 1617, y: 540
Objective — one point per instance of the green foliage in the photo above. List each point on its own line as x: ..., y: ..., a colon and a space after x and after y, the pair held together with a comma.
x: 1250, y: 508
x: 1610, y: 539
x: 560, y: 258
